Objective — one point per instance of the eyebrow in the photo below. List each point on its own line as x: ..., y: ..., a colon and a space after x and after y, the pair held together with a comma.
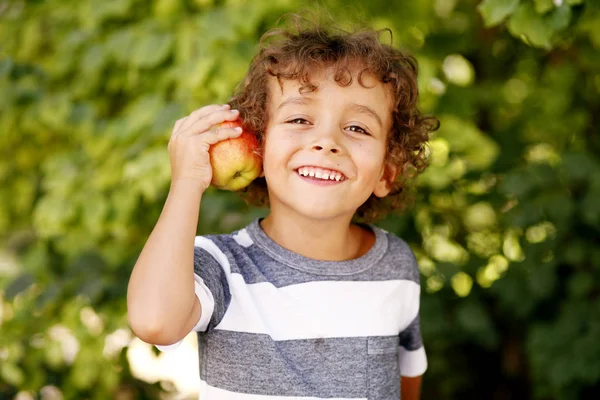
x: 368, y: 111
x: 301, y: 101
x: 360, y: 108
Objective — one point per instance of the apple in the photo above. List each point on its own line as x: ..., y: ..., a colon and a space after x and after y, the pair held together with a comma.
x: 235, y: 162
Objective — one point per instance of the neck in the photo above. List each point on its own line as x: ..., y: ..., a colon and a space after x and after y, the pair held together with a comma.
x: 327, y: 240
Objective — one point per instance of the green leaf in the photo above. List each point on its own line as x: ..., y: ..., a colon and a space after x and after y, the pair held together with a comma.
x: 475, y: 320
x: 11, y: 373
x: 577, y: 167
x: 558, y: 206
x: 543, y: 6
x: 120, y: 43
x: 141, y: 114
x: 495, y: 11
x: 581, y: 284
x: 542, y: 280
x: 590, y: 205
x: 560, y: 18
x: 590, y: 23
x: 94, y: 12
x: 32, y: 37
x: 535, y: 29
x: 6, y: 65
x: 528, y: 25
x: 150, y: 49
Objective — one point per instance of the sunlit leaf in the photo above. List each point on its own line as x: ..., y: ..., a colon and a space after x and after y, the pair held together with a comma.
x: 495, y: 11
x: 543, y: 6
x: 535, y: 29
x: 150, y: 49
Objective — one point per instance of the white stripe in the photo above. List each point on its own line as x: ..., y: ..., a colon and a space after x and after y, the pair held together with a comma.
x: 243, y: 238
x: 412, y: 363
x: 321, y: 309
x: 208, y: 392
x: 207, y: 303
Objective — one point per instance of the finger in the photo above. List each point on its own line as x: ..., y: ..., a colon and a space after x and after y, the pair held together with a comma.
x: 208, y: 121
x: 177, y: 125
x: 216, y: 135
x: 202, y: 112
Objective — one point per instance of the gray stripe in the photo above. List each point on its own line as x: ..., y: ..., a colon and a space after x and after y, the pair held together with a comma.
x: 329, y: 367
x: 397, y: 262
x: 410, y: 338
x: 213, y: 275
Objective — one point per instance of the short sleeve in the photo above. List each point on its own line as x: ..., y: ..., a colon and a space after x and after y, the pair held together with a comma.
x: 413, y: 360
x: 212, y: 268
x: 210, y: 286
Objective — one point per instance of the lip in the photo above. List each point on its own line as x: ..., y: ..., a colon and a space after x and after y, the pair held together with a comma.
x: 319, y: 182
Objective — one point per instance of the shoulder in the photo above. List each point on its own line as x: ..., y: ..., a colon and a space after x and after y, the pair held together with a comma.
x: 227, y: 248
x: 399, y: 247
x: 401, y: 256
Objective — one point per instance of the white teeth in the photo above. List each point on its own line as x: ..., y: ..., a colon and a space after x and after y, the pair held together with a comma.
x: 320, y: 173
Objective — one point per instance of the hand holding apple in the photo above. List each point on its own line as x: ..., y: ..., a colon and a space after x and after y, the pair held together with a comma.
x: 235, y: 162
x: 191, y: 140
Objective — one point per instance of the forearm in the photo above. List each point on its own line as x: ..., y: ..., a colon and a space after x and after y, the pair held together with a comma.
x: 411, y: 388
x: 160, y: 297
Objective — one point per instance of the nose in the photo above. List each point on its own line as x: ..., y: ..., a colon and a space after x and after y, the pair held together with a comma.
x: 325, y: 142
x: 326, y: 148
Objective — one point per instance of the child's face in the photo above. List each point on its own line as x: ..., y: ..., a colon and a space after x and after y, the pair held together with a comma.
x: 324, y: 151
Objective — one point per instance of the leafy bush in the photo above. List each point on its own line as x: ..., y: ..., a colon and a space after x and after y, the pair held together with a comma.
x: 506, y: 227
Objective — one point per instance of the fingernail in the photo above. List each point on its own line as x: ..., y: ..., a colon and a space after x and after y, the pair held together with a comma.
x: 225, y: 106
x: 237, y: 129
x: 234, y: 111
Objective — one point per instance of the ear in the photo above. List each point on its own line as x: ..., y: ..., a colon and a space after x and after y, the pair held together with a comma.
x: 389, y: 173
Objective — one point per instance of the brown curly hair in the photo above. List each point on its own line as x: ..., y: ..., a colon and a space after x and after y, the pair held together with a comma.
x: 296, y: 53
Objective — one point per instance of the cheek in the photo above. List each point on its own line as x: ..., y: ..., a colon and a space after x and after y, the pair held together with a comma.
x: 268, y: 158
x: 370, y: 159
x: 274, y: 152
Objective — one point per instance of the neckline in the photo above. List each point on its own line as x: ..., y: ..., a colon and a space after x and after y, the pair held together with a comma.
x: 319, y: 267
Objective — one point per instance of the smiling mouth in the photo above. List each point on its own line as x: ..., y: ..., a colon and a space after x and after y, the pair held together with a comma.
x: 321, y: 173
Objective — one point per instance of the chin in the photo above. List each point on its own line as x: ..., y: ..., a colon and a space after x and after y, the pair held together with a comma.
x: 322, y: 211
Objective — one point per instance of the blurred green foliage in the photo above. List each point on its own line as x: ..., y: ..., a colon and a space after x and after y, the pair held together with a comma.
x: 506, y: 228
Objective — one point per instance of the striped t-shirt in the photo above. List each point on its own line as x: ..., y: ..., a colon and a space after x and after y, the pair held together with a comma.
x: 276, y: 325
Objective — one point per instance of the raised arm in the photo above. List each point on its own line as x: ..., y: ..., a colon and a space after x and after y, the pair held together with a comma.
x: 161, y: 304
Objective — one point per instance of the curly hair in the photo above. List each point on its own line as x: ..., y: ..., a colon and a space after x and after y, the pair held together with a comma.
x: 295, y: 54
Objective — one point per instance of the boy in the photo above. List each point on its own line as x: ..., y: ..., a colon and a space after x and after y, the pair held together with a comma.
x: 305, y: 303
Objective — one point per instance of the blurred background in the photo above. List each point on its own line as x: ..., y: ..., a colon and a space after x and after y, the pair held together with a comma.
x: 506, y: 226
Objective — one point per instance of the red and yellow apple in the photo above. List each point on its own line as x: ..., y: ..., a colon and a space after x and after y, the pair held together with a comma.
x: 235, y: 162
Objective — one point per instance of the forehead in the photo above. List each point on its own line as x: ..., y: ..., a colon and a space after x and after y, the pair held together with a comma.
x: 352, y: 85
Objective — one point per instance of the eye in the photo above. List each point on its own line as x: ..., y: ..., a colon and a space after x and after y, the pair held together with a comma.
x: 358, y: 129
x: 297, y: 121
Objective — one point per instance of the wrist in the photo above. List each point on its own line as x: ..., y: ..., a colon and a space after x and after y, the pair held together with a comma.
x: 189, y: 186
